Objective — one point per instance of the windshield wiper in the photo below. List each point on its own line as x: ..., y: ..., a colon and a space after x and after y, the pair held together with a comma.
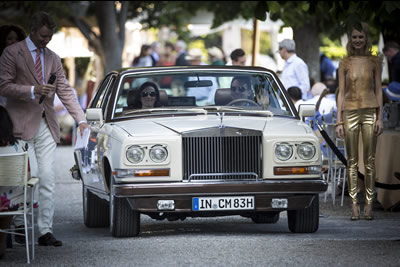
x: 156, y: 110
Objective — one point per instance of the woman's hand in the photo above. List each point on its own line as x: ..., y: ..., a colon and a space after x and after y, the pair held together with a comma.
x: 339, y: 131
x: 378, y: 127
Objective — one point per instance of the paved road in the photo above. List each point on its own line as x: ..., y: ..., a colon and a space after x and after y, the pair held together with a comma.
x: 226, y: 241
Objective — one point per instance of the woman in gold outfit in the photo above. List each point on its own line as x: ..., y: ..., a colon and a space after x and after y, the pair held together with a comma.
x: 359, y: 108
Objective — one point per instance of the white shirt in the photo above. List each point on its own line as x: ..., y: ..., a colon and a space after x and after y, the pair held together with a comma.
x: 327, y: 104
x: 295, y: 73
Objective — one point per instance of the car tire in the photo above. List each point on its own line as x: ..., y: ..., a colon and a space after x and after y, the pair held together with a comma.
x: 125, y: 221
x: 266, y: 217
x: 95, y: 209
x: 304, y: 220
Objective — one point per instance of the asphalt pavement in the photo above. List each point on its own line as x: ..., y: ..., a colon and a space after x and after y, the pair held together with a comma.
x: 222, y: 241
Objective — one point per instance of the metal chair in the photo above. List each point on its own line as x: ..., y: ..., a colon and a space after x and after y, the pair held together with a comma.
x: 336, y: 172
x: 14, y: 172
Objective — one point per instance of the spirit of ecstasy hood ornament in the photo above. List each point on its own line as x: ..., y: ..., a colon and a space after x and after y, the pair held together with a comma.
x: 221, y: 118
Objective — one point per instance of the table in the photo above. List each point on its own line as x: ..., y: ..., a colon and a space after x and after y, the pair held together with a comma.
x: 387, y: 161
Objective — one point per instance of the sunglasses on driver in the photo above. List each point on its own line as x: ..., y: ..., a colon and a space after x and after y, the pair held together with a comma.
x: 144, y: 94
x: 238, y: 88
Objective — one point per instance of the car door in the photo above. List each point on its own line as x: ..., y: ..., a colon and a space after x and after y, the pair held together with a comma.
x: 93, y: 153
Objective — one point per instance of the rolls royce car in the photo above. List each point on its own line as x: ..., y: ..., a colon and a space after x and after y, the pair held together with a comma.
x: 197, y: 141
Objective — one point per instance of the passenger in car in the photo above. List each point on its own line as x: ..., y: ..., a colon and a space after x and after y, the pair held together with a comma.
x: 147, y: 96
x: 241, y: 88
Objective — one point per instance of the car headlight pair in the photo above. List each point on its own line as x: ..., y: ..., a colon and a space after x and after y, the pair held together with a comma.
x: 136, y: 154
x: 284, y: 151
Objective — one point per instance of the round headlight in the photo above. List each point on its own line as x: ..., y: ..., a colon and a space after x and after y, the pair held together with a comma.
x: 135, y: 154
x: 306, y: 151
x: 158, y: 153
x: 283, y: 151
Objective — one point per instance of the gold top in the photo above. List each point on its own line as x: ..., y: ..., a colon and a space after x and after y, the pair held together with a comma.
x: 359, y: 89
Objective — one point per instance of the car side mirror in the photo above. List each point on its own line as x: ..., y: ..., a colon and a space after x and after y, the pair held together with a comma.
x: 94, y: 115
x: 306, y: 110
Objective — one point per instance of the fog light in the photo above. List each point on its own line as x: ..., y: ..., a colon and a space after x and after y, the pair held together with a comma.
x: 166, y: 205
x: 279, y: 203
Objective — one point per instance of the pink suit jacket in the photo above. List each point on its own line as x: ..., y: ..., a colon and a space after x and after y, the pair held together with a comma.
x: 18, y: 75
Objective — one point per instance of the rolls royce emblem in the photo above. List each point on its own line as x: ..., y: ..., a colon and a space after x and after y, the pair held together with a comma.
x: 221, y: 118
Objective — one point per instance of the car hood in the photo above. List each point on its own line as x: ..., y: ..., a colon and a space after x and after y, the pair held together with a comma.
x: 281, y: 126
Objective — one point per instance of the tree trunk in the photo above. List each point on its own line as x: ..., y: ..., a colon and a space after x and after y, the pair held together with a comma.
x: 307, y: 47
x: 109, y: 35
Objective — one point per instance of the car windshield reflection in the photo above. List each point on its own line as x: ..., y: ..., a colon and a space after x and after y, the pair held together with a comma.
x: 165, y: 92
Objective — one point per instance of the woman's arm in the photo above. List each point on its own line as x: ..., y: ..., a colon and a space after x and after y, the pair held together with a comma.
x: 340, y: 101
x: 379, y: 96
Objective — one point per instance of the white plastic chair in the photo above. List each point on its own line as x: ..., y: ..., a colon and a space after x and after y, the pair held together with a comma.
x: 14, y: 172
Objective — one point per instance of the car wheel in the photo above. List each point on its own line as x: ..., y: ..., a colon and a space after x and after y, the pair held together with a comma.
x: 265, y: 217
x: 305, y: 220
x: 125, y: 221
x: 95, y: 209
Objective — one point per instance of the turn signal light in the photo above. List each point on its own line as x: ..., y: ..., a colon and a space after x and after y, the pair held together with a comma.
x: 151, y: 172
x: 298, y: 170
x: 290, y: 170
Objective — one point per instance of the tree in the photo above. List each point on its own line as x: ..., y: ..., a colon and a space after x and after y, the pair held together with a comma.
x: 307, y: 18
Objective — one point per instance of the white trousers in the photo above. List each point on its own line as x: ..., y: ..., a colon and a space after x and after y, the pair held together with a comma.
x: 42, y: 150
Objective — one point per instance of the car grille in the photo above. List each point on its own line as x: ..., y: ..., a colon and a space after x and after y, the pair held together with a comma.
x: 222, y: 154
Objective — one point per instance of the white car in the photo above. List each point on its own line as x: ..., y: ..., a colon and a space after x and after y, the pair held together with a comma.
x: 222, y: 140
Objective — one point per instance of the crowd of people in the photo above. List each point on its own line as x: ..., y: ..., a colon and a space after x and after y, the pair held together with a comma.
x: 177, y: 55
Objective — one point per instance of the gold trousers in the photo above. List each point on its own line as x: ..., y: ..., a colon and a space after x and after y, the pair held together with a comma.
x: 354, y: 121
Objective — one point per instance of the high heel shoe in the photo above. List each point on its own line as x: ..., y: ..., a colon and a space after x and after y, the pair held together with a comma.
x: 355, y: 212
x: 368, y: 212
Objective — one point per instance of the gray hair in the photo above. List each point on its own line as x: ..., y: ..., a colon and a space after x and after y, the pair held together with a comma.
x: 288, y: 44
x: 181, y: 44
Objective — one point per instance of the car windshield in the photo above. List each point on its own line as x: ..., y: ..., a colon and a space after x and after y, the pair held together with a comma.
x: 163, y: 92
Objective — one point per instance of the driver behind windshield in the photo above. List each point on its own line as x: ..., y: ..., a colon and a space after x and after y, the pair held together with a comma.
x: 241, y: 88
x: 148, y: 96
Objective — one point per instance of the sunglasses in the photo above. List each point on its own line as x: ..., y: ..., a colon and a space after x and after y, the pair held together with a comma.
x: 238, y: 88
x: 144, y: 94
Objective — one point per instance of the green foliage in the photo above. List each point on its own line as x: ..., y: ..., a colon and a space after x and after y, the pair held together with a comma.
x: 265, y: 42
x: 210, y: 40
x: 333, y: 52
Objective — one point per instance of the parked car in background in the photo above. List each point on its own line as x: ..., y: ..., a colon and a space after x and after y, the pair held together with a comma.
x: 222, y: 140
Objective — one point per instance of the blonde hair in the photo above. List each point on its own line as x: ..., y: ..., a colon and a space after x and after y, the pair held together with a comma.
x: 361, y: 27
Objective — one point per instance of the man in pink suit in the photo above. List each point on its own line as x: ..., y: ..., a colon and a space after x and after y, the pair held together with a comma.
x: 25, y: 70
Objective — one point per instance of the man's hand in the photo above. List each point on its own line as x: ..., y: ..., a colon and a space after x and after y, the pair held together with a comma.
x: 82, y: 127
x: 44, y: 89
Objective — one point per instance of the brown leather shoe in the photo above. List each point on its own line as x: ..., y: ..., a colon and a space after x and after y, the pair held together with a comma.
x: 49, y: 240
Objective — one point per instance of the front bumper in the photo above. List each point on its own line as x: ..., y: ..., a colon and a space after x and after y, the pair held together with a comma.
x: 144, y: 197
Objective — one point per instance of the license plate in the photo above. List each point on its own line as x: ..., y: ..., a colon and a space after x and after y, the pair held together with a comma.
x: 223, y: 203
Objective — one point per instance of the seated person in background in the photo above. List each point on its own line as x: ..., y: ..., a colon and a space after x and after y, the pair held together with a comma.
x: 392, y: 91
x: 295, y: 95
x: 241, y: 88
x: 327, y: 101
x: 147, y: 96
